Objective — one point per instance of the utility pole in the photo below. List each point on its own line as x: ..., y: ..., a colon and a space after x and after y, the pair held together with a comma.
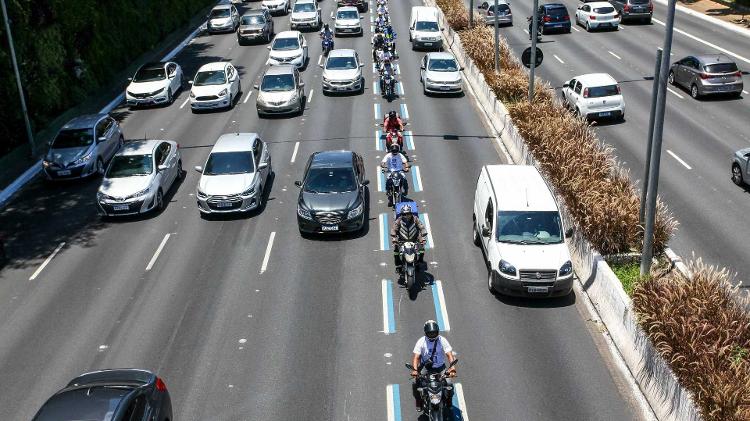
x: 533, y: 34
x: 497, y: 39
x: 654, y: 89
x: 471, y: 14
x: 24, y: 111
x: 653, y: 183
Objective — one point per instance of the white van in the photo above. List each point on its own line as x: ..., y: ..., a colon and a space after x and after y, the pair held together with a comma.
x: 424, y: 28
x: 518, y: 225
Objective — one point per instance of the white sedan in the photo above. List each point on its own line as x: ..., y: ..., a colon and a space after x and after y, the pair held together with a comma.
x: 154, y: 83
x: 597, y: 15
x: 216, y: 85
x: 289, y: 47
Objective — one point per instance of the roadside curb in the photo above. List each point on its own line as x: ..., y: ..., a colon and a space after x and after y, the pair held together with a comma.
x: 656, y: 389
x: 726, y: 25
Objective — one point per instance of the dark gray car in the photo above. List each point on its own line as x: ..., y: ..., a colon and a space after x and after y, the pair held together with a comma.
x: 82, y: 147
x: 707, y: 74
x: 255, y: 25
x: 110, y: 395
x: 631, y: 10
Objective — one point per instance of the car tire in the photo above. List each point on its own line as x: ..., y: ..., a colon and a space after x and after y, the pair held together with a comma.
x: 120, y: 144
x: 647, y: 21
x: 588, y: 27
x: 170, y: 96
x: 180, y: 172
x: 99, y: 169
x: 159, y: 201
x: 578, y: 112
x: 737, y: 175
x: 694, y: 91
x: 489, y: 284
x: 670, y: 78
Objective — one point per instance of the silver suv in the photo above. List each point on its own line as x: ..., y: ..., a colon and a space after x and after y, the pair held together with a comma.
x: 707, y: 74
x: 281, y: 91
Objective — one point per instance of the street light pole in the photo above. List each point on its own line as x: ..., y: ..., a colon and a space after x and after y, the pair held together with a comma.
x: 654, y: 90
x: 533, y: 34
x: 653, y: 183
x: 497, y: 39
x: 24, y: 111
x: 471, y: 14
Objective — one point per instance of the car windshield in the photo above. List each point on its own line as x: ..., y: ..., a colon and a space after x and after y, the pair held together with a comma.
x: 528, y: 227
x: 341, y: 63
x: 253, y: 20
x: 225, y: 163
x: 285, y: 44
x: 639, y: 1
x: 210, y: 77
x: 277, y: 83
x: 557, y: 11
x: 721, y: 68
x: 304, y: 7
x: 604, y: 10
x: 600, y: 91
x: 443, y: 65
x: 219, y: 13
x: 427, y: 26
x: 130, y: 165
x: 149, y: 74
x: 346, y: 14
x: 73, y: 138
x: 330, y: 180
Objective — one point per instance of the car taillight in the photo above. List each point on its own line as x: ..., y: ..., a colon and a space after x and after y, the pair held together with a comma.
x: 490, y: 13
x: 586, y: 92
x: 738, y: 73
x: 617, y: 15
x: 650, y: 7
x: 592, y: 17
x: 547, y: 19
x: 566, y: 17
x: 626, y: 8
x: 160, y: 386
x: 178, y: 146
x: 705, y: 76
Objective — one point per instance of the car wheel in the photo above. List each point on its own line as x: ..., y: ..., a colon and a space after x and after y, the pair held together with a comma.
x: 268, y: 37
x: 475, y: 235
x: 578, y: 112
x: 120, y: 143
x: 489, y: 284
x: 694, y: 91
x: 159, y: 201
x: 99, y: 169
x: 670, y: 78
x: 180, y: 173
x: 588, y: 27
x: 170, y: 96
x: 737, y: 175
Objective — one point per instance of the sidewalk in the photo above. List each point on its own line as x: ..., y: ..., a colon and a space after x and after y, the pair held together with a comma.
x: 721, y: 10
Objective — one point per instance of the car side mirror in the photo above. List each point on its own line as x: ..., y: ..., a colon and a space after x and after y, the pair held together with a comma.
x: 321, y: 65
x: 366, y: 182
x: 298, y: 184
x: 130, y: 79
x: 162, y: 168
x: 566, y: 85
x: 361, y: 65
x: 262, y: 165
x: 461, y: 68
x: 361, y: 17
x: 199, y: 169
x: 190, y: 82
x: 442, y: 29
x: 485, y: 231
x: 268, y: 47
x: 569, y: 233
x: 101, y: 139
x: 256, y: 86
x: 332, y: 16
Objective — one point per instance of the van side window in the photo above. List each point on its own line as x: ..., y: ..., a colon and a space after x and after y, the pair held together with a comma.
x: 488, y: 215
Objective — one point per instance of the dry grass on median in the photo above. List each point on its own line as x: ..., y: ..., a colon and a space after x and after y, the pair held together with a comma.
x: 703, y: 332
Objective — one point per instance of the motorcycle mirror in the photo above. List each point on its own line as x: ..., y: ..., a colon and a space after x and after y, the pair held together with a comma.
x: 409, y: 366
x: 462, y: 68
x: 366, y: 182
x: 320, y: 65
x: 302, y: 84
x: 453, y: 363
x: 298, y: 183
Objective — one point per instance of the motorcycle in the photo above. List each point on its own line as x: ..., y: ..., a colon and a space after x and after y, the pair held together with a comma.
x: 327, y: 45
x: 435, y: 392
x: 538, y: 30
x: 390, y: 46
x: 388, y: 83
x: 395, y: 135
x: 396, y: 185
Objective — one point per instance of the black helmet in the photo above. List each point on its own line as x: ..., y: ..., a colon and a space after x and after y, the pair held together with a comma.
x: 325, y: 26
x: 394, y: 148
x: 392, y: 114
x: 431, y: 328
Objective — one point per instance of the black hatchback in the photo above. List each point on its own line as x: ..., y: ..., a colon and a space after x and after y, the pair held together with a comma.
x: 111, y: 395
x: 333, y: 196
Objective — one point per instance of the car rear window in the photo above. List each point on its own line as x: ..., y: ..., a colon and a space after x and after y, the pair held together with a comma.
x: 557, y: 11
x: 604, y: 10
x: 640, y: 1
x: 721, y: 68
x: 87, y: 403
x: 253, y: 20
x: 600, y: 91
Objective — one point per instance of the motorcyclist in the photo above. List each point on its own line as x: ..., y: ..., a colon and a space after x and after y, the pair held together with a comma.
x: 405, y: 228
x: 382, y: 10
x: 391, y: 121
x: 430, y: 353
x: 326, y: 35
x: 378, y: 43
x: 390, y: 36
x: 385, y: 69
x: 538, y: 26
x: 393, y: 159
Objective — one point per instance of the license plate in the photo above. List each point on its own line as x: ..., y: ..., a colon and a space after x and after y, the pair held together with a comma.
x: 63, y: 172
x: 537, y: 289
x: 604, y: 24
x: 445, y: 88
x: 428, y: 44
x: 330, y: 228
x: 224, y: 205
x: 118, y: 208
x: 605, y: 114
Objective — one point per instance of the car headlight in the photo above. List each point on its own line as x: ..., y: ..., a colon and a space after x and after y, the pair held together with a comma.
x: 304, y: 213
x: 84, y: 159
x: 139, y: 193
x: 566, y: 269
x: 192, y: 95
x: 46, y: 163
x: 428, y: 80
x: 326, y: 80
x: 293, y: 99
x: 157, y: 92
x: 507, y: 268
x: 223, y: 92
x: 249, y: 192
x: 356, y: 211
x: 297, y: 56
x: 200, y: 194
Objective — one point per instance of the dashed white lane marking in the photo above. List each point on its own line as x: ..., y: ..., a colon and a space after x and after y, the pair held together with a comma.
x: 185, y: 103
x: 294, y: 152
x: 574, y: 28
x: 157, y: 252
x: 675, y: 93
x: 320, y: 58
x: 264, y: 265
x: 430, y: 240
x: 558, y: 58
x: 309, y: 99
x: 714, y: 46
x: 393, y: 402
x: 441, y: 313
x: 527, y: 31
x: 379, y: 172
x: 615, y: 55
x: 46, y: 261
x: 745, y: 92
x: 417, y: 175
x: 249, y: 94
x: 679, y: 159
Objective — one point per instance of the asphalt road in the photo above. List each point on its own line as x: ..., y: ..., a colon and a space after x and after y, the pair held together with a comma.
x: 700, y: 136
x: 242, y: 328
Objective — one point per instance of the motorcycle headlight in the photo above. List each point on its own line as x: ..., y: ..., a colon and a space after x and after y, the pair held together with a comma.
x: 200, y: 194
x: 139, y: 193
x: 223, y: 92
x: 304, y: 213
x: 84, y: 159
x: 356, y: 211
x: 566, y: 269
x: 507, y: 268
x: 435, y: 399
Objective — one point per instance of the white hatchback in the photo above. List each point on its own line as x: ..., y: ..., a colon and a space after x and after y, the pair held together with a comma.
x: 154, y: 83
x: 440, y: 73
x: 216, y: 85
x: 594, y: 96
x: 346, y: 21
x: 597, y: 15
x: 289, y: 47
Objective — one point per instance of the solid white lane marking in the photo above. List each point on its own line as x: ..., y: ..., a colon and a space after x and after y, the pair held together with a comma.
x: 264, y: 265
x: 558, y: 58
x: 441, y: 313
x: 574, y: 28
x: 379, y: 172
x: 294, y: 152
x: 714, y: 46
x: 461, y: 401
x: 249, y: 94
x: 184, y: 103
x: 417, y: 178
x: 679, y: 159
x: 46, y: 261
x: 309, y: 99
x: 430, y: 240
x: 675, y: 93
x: 389, y: 322
x: 393, y: 402
x: 745, y: 92
x: 527, y: 31
x: 157, y: 252
x: 615, y: 55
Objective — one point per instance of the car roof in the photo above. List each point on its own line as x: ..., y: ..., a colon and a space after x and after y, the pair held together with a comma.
x: 281, y: 69
x: 86, y: 121
x: 332, y: 159
x: 347, y: 8
x: 84, y: 403
x: 441, y: 55
x: 254, y: 12
x: 596, y: 79
x: 139, y: 147
x: 288, y: 34
x: 217, y: 65
x: 599, y: 4
x: 713, y: 58
x: 154, y: 65
x: 234, y: 142
x: 342, y: 52
x: 520, y: 187
x: 222, y: 6
x: 554, y: 6
x: 306, y: 1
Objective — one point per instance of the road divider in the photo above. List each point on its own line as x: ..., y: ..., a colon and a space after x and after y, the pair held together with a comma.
x: 384, y: 232
x: 267, y: 256
x: 441, y: 313
x: 426, y: 221
x: 151, y: 262
x: 389, y: 320
x: 46, y: 261
x: 393, y: 402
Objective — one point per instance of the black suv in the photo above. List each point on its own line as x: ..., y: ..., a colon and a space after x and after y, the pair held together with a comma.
x: 640, y: 10
x: 112, y: 395
x: 333, y: 196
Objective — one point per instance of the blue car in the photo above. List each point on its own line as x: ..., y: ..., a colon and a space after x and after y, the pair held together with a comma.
x: 554, y: 17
